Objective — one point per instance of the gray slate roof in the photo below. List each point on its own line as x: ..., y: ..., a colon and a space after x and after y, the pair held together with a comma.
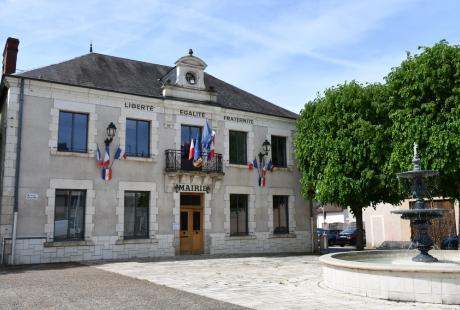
x: 141, y: 78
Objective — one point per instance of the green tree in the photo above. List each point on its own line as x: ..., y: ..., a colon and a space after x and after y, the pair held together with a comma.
x: 424, y: 94
x: 342, y: 148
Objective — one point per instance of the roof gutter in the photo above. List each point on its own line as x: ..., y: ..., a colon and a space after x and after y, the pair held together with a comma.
x: 18, y: 168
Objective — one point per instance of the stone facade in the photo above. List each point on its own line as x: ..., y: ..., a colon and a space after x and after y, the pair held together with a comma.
x: 45, y: 169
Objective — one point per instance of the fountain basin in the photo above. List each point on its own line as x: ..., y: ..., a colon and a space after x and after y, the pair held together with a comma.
x: 393, y: 275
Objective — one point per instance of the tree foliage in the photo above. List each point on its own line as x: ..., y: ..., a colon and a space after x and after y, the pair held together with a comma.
x: 342, y: 148
x: 352, y: 140
x: 424, y: 96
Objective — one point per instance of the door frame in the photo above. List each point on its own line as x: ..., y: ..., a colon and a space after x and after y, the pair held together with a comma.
x: 194, y: 207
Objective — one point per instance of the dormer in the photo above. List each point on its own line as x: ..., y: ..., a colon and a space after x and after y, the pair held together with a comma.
x: 190, y: 71
x: 186, y: 80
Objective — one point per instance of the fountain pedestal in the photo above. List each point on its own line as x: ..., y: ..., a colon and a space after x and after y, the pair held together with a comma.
x: 420, y: 216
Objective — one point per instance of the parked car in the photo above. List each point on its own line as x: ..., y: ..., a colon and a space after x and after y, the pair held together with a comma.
x: 449, y: 243
x: 331, y: 235
x: 348, y: 237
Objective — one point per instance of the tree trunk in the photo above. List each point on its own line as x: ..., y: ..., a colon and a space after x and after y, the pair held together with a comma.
x: 358, y: 213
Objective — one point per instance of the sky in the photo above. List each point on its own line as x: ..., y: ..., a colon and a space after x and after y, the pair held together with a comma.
x: 287, y: 52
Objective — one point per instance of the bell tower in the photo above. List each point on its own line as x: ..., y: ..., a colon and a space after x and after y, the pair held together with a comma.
x: 186, y: 80
x: 190, y: 71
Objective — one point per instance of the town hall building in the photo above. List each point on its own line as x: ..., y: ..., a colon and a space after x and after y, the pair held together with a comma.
x: 104, y: 158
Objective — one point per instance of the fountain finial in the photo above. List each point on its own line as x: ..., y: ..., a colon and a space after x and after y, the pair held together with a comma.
x: 416, y: 158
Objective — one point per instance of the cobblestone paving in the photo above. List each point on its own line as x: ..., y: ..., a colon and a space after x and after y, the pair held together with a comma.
x: 292, y: 282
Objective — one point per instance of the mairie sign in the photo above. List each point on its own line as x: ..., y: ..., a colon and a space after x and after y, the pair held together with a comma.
x: 192, y: 188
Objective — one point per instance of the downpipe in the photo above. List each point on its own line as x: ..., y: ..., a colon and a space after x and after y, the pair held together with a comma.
x: 18, y: 168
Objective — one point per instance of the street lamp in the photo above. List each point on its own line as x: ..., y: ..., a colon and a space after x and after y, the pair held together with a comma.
x: 265, y: 150
x: 111, y: 130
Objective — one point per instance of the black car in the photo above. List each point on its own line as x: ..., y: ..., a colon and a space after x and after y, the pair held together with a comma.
x: 331, y: 235
x: 348, y: 237
x: 450, y: 243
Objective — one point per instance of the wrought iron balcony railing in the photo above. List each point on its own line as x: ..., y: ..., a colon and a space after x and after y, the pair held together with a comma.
x: 177, y: 160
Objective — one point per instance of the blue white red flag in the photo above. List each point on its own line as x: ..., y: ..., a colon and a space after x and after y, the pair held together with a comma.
x: 212, y: 151
x: 120, y: 154
x: 98, y: 157
x: 106, y: 174
x: 206, y: 138
x: 197, y: 154
x: 106, y: 161
x: 270, y: 165
x: 191, y: 152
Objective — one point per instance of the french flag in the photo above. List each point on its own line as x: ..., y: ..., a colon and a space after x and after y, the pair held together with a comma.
x: 212, y: 151
x: 120, y: 154
x: 191, y: 152
x: 106, y: 161
x: 106, y: 174
x: 98, y: 157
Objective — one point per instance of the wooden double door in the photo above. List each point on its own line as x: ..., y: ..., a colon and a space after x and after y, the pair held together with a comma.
x: 191, y: 230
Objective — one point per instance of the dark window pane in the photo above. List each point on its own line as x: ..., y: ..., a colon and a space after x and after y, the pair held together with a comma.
x: 184, y: 221
x: 79, y: 133
x: 196, y: 220
x: 190, y: 200
x: 143, y: 133
x: 238, y: 214
x: 278, y: 146
x: 69, y: 215
x: 72, y: 132
x: 280, y: 215
x: 137, y: 138
x: 187, y: 134
x: 130, y: 206
x: 237, y: 147
x: 131, y: 137
x: 136, y: 214
x: 65, y: 131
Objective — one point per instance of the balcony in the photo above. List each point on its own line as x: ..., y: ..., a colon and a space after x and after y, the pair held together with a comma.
x: 176, y: 161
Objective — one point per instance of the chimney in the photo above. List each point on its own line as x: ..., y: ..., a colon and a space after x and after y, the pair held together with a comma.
x: 10, y: 54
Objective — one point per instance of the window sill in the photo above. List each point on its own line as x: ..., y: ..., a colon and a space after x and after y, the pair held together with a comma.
x: 137, y: 241
x: 240, y: 166
x: 71, y: 154
x: 285, y: 169
x: 282, y: 236
x: 248, y: 237
x: 141, y: 159
x: 55, y: 244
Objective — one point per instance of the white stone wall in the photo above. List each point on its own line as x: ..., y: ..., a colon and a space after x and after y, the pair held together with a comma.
x: 260, y: 243
x: 104, y: 217
x: 38, y: 251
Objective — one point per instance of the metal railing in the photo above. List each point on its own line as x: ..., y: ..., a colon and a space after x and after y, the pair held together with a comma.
x: 176, y: 160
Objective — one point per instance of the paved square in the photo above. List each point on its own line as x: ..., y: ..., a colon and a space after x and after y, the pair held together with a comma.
x: 290, y: 282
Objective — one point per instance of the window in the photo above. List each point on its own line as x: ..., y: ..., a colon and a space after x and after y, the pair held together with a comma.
x: 280, y: 215
x: 238, y: 148
x: 136, y: 215
x: 72, y: 132
x: 69, y: 214
x: 238, y: 215
x: 187, y: 134
x: 137, y: 138
x: 279, y: 151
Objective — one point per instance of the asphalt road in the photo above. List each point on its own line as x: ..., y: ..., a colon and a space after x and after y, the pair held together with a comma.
x: 71, y: 286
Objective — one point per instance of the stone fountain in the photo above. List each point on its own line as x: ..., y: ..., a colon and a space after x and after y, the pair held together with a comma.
x: 403, y: 275
x: 420, y: 216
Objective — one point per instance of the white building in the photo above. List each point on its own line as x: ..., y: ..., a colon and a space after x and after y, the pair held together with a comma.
x: 56, y: 207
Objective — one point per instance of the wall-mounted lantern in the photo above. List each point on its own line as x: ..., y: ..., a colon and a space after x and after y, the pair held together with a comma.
x: 265, y: 150
x: 111, y: 131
